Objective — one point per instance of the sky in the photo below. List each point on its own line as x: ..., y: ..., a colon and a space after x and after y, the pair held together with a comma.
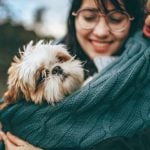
x: 54, y: 19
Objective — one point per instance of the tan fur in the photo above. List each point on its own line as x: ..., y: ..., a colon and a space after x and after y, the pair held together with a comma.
x: 31, y: 74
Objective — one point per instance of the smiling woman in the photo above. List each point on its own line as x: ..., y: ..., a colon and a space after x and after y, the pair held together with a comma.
x: 97, y: 30
x: 107, y: 31
x: 115, y: 103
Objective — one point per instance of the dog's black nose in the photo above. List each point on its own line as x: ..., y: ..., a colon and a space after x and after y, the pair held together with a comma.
x: 57, y: 70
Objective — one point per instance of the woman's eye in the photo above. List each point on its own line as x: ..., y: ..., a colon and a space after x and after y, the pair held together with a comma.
x: 90, y: 18
x: 116, y: 20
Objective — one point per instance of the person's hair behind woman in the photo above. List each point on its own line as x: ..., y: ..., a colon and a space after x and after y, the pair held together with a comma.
x: 133, y: 7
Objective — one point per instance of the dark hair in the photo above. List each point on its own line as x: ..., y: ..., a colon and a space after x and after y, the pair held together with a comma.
x: 135, y: 8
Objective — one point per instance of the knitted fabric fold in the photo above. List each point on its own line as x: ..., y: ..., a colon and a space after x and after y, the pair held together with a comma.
x: 115, y: 103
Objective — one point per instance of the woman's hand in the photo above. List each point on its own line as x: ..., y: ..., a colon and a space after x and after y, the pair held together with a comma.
x: 14, y: 143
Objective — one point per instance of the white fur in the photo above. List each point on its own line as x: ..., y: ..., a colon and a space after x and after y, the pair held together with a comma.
x: 38, y: 61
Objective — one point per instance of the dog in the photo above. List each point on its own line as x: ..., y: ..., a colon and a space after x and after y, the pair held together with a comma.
x: 43, y: 72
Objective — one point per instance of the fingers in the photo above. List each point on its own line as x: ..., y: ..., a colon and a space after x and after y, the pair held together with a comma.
x: 10, y: 138
x: 14, y: 143
x: 15, y: 140
x: 3, y: 136
x: 5, y: 139
x: 8, y: 144
x: 20, y: 143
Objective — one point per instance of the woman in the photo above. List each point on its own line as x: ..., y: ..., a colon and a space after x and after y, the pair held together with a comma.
x: 146, y: 28
x: 95, y: 29
x: 105, y: 39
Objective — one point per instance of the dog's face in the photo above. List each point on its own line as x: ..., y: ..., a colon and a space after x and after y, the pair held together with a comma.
x: 43, y: 72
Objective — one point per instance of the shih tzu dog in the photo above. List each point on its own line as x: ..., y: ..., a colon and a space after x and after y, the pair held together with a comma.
x: 43, y: 72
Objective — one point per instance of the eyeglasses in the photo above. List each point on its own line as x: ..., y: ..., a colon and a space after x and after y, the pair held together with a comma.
x: 116, y: 20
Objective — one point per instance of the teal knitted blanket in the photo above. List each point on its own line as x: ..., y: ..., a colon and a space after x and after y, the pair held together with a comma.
x: 116, y: 102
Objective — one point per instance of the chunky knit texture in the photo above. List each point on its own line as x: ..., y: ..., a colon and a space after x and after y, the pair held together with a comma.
x: 116, y: 102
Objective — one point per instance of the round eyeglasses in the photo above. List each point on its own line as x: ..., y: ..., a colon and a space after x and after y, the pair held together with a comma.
x: 116, y: 20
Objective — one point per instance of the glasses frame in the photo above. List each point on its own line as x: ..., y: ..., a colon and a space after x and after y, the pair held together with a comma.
x: 76, y: 14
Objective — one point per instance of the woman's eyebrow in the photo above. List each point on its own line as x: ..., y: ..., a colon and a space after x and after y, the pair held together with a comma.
x: 97, y: 9
x: 89, y: 8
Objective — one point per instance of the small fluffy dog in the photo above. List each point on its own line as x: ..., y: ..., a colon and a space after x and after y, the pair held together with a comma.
x: 43, y: 72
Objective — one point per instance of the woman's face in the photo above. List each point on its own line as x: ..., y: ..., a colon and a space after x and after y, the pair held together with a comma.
x: 146, y: 28
x: 100, y: 40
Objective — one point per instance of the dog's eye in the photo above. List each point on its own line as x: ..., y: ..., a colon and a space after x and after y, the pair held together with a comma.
x: 44, y: 74
x: 41, y: 76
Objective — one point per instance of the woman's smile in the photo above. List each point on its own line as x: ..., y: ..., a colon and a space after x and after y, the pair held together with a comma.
x: 100, y: 39
x: 100, y: 46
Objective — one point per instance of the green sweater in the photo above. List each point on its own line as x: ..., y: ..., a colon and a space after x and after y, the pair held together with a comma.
x: 115, y: 103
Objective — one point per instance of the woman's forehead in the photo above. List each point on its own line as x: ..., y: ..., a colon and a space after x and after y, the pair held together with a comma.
x: 98, y: 4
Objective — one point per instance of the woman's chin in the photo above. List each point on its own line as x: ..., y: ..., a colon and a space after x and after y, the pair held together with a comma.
x: 146, y: 31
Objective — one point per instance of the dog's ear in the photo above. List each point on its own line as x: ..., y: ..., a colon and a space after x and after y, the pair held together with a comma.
x: 10, y: 96
x: 12, y: 93
x: 63, y: 56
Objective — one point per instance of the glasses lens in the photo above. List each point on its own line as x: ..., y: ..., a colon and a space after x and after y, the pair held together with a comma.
x: 117, y: 20
x: 88, y: 18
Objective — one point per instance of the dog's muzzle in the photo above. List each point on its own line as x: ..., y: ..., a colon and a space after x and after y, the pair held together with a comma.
x: 57, y: 70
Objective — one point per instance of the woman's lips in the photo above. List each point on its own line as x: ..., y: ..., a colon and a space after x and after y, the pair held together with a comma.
x: 100, y: 46
x: 146, y: 31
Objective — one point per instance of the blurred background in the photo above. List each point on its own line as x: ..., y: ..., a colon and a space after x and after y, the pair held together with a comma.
x: 25, y: 20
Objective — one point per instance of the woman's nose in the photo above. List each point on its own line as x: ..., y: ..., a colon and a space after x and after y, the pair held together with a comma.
x: 101, y: 29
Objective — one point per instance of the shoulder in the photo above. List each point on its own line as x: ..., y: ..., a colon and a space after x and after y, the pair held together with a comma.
x: 140, y: 39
